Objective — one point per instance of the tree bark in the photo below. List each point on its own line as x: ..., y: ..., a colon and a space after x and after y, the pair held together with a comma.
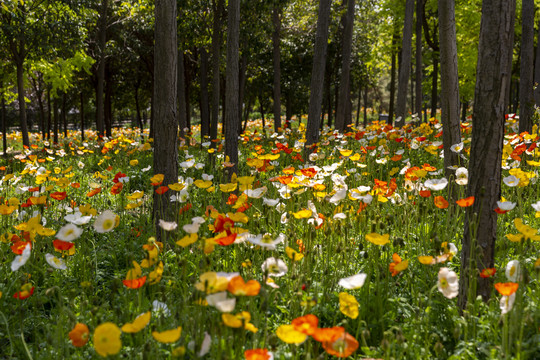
x: 405, y: 65
x: 64, y: 115
x: 537, y: 70
x: 107, y: 105
x: 216, y: 57
x: 182, y: 109
x: 102, y: 41
x: 418, y: 75
x: 276, y: 35
x: 317, y: 76
x: 365, y: 105
x: 434, y: 86
x: 82, y: 116
x: 55, y: 118
x: 49, y: 113
x: 241, y: 89
x: 22, y: 103
x: 526, y: 99
x: 4, y: 125
x: 232, y: 114
x: 344, y: 84
x: 492, y: 82
x: 391, y: 106
x: 449, y: 87
x: 205, y: 106
x: 165, y: 87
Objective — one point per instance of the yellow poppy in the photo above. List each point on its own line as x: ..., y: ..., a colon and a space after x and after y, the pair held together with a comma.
x: 348, y: 305
x: 168, y: 336
x: 377, y: 239
x: 138, y: 324
x: 288, y: 334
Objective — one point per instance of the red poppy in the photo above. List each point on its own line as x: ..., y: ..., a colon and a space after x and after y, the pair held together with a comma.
x: 223, y: 223
x: 62, y: 245
x: 117, y: 188
x: 93, y: 192
x: 227, y: 240
x: 118, y: 176
x: 26, y: 291
x: 440, y: 202
x: 309, y: 172
x: 232, y: 199
x: 162, y: 190
x: 425, y: 193
x: 33, y: 189
x: 59, y: 195
x: 134, y: 283
x: 465, y: 202
x: 19, y: 246
x: 487, y: 272
x: 328, y: 334
x: 75, y: 185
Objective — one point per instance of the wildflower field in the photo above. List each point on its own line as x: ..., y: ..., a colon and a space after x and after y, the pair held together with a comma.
x: 354, y: 252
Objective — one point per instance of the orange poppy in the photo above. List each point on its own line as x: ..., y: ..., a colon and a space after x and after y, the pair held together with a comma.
x: 309, y: 172
x: 19, y: 246
x: 59, y: 195
x: 33, y: 189
x: 306, y: 324
x: 117, y: 188
x: 225, y: 240
x: 162, y: 190
x: 80, y: 335
x: 75, y: 185
x: 26, y: 291
x: 93, y: 192
x: 223, y: 223
x: 342, y: 347
x: 425, y: 193
x: 134, y: 283
x: 466, y: 202
x: 506, y: 289
x: 440, y: 202
x: 238, y: 287
x: 487, y: 272
x: 257, y: 354
x: 328, y: 334
x: 62, y: 245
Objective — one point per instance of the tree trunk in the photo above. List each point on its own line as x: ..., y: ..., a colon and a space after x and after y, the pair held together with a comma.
x: 55, y: 118
x: 261, y: 108
x: 329, y: 100
x: 108, y: 106
x: 165, y: 123
x: 102, y: 41
x: 241, y: 89
x: 187, y: 78
x: 365, y: 105
x: 464, y: 106
x: 205, y: 106
x: 64, y: 115
x: 216, y: 57
x: 526, y: 99
x: 344, y: 84
x: 82, y: 116
x: 492, y: 82
x: 182, y: 110
x: 418, y: 75
x: 22, y: 103
x: 4, y: 120
x: 49, y: 113
x: 449, y: 87
x: 232, y: 113
x: 359, y: 105
x: 276, y: 35
x: 434, y: 86
x: 537, y: 70
x: 405, y: 65
x: 317, y: 75
x: 393, y: 80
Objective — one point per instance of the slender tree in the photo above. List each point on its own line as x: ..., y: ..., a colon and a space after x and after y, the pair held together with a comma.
x: 276, y: 37
x: 218, y: 9
x: 405, y: 65
x: 182, y: 107
x: 526, y: 98
x: 232, y: 114
x: 418, y: 55
x: 102, y: 41
x: 165, y: 87
x: 492, y: 82
x: 205, y: 106
x: 344, y: 84
x: 317, y: 75
x: 449, y: 85
x: 537, y: 70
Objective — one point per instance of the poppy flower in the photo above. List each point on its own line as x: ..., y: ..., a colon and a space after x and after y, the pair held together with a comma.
x: 440, y: 202
x: 79, y: 335
x: 26, y: 291
x: 168, y: 336
x: 506, y: 289
x: 238, y: 287
x: 239, y: 320
x: 448, y: 283
x: 348, y: 305
x: 107, y: 339
x: 134, y: 280
x: 162, y: 190
x: 106, y: 222
x: 59, y: 195
x: 353, y: 282
x: 117, y: 188
x: 20, y: 260
x: 61, y: 246
x: 258, y: 354
x: 466, y: 202
x: 487, y: 272
x: 306, y: 324
x: 69, y: 232
x: 342, y: 347
x: 328, y: 334
x: 290, y: 335
x: 293, y: 254
x: 378, y: 239
x: 210, y: 283
x: 157, y: 179
x: 397, y: 265
x: 221, y: 302
x: 526, y: 232
x: 93, y: 192
x: 55, y: 262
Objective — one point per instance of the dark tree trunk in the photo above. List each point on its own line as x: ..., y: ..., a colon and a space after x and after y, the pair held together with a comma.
x: 216, y: 57
x: 108, y: 105
x: 434, y: 86
x: 22, y: 103
x: 55, y: 118
x: 187, y: 77
x: 288, y: 109
x: 344, y: 84
x: 412, y: 83
x: 82, y: 116
x: 37, y: 84
x: 365, y: 105
x: 205, y: 105
x: 224, y: 104
x: 464, y: 106
x: 526, y: 99
x: 182, y: 109
x: 537, y: 69
x: 102, y: 41
x: 492, y: 82
x: 4, y: 120
x: 329, y: 100
x: 393, y: 80
x: 418, y: 75
x: 359, y: 105
x: 232, y: 113
x: 138, y: 106
x: 241, y: 90
x: 49, y: 108
x: 165, y: 123
x: 405, y: 65
x: 152, y: 110
x: 64, y: 115
x: 261, y: 108
x: 276, y: 35
x: 317, y: 75
x: 449, y: 87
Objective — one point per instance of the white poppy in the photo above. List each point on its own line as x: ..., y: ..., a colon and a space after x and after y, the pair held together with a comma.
x: 167, y: 225
x: 507, y: 303
x: 191, y: 228
x: 105, y: 222
x: 353, y: 282
x: 221, y: 302
x: 69, y: 232
x: 436, y: 184
x: 462, y: 176
x: 20, y: 260
x: 274, y: 267
x: 55, y: 262
x: 513, y: 271
x: 511, y: 181
x: 448, y: 283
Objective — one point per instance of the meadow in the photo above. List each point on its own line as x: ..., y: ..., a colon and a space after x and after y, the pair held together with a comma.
x: 354, y: 252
